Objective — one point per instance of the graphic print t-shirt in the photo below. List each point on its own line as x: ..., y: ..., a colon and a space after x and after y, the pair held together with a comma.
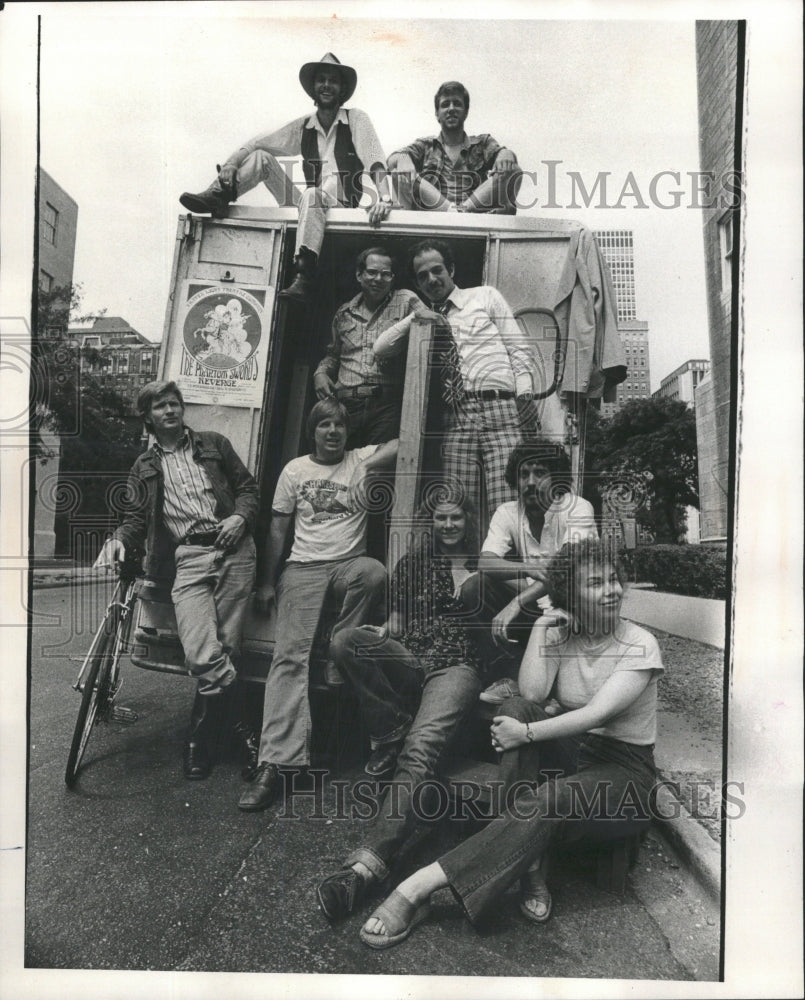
x: 327, y: 526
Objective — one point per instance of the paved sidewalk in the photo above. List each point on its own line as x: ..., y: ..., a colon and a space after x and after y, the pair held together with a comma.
x: 695, y: 618
x: 684, y: 746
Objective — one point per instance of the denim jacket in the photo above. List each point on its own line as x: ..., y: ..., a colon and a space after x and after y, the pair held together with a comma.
x: 143, y: 525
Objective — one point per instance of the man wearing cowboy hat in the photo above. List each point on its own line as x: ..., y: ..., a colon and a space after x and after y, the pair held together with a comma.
x: 336, y: 145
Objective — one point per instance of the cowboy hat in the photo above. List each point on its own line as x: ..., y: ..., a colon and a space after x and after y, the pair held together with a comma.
x: 349, y: 77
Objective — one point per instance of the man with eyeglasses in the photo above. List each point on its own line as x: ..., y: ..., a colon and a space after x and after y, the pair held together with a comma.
x: 370, y: 386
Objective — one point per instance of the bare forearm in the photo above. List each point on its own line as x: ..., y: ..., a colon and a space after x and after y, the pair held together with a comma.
x: 275, y: 546
x: 383, y: 458
x: 507, y: 569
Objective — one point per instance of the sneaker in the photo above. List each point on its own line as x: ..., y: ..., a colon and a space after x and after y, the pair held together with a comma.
x: 500, y: 691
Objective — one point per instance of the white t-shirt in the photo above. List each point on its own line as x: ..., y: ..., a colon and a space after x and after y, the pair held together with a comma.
x: 582, y: 668
x: 326, y: 527
x: 569, y: 518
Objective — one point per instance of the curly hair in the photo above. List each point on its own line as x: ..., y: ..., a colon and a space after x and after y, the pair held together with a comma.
x: 546, y: 453
x: 564, y: 570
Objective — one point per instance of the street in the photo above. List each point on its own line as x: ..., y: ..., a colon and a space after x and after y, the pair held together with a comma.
x: 137, y: 868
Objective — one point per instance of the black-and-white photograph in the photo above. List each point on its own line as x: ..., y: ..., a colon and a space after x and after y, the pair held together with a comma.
x: 383, y: 549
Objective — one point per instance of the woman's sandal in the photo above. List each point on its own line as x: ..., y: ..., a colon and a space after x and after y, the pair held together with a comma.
x: 400, y: 916
x: 533, y: 890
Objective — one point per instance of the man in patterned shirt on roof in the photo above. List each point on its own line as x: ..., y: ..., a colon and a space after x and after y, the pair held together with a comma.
x: 456, y: 172
x: 370, y: 386
x: 193, y: 505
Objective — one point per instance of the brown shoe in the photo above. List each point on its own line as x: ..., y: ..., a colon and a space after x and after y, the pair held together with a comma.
x: 266, y: 786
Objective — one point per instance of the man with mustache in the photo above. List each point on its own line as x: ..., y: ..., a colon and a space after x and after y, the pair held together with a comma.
x: 508, y: 593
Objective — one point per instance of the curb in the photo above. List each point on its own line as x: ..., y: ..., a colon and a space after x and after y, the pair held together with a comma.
x: 694, y: 845
x: 43, y: 582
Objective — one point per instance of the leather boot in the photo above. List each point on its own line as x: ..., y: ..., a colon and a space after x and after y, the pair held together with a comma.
x: 302, y: 285
x: 206, y: 717
x: 214, y: 201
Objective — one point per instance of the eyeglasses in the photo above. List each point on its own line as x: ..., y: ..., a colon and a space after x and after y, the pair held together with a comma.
x: 372, y: 272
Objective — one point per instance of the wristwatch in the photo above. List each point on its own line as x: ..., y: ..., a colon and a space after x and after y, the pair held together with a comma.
x: 529, y: 737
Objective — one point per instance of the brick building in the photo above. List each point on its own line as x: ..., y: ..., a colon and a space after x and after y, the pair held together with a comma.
x: 58, y: 222
x: 127, y: 360
x: 718, y: 74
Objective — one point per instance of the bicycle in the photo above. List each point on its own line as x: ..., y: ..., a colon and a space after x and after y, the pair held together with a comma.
x: 99, y: 679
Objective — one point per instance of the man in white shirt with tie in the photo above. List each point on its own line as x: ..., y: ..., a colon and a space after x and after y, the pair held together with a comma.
x: 488, y: 381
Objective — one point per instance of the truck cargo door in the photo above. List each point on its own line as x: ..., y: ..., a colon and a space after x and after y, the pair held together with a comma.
x: 220, y: 324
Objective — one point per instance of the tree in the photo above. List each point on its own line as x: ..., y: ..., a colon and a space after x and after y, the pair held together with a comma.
x: 70, y: 400
x: 649, y: 446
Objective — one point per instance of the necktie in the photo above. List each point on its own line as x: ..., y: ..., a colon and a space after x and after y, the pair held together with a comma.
x: 452, y: 382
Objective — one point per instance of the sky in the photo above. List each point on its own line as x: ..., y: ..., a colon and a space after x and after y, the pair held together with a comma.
x: 138, y: 102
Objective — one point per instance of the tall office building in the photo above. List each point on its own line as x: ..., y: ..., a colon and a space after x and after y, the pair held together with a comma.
x: 617, y: 249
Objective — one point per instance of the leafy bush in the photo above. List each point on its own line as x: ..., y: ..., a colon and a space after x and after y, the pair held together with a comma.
x: 694, y: 570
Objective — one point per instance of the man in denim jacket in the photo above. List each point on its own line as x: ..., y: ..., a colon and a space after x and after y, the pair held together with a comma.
x: 193, y: 505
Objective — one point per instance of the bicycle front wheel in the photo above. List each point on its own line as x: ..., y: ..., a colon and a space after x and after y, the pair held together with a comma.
x: 94, y: 696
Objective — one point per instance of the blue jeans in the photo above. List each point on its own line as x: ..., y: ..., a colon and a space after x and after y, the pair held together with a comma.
x: 607, y: 797
x: 386, y: 678
x: 358, y: 585
x: 448, y: 696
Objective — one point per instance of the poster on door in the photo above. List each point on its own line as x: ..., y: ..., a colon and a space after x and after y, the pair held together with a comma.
x: 221, y: 355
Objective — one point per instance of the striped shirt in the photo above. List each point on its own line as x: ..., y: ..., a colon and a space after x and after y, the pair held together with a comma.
x: 189, y: 501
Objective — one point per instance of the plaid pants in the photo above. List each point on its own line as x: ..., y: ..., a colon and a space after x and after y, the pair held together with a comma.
x: 481, y: 432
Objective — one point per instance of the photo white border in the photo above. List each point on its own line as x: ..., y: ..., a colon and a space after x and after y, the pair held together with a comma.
x: 763, y: 929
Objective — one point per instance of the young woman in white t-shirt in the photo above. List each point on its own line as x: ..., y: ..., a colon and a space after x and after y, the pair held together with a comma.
x: 603, y: 673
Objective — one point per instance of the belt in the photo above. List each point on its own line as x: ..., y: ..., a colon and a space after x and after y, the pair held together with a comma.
x: 205, y: 539
x: 362, y: 391
x: 490, y: 394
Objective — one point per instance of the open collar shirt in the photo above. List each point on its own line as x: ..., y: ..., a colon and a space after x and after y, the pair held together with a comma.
x: 456, y: 179
x: 350, y: 358
x: 189, y: 499
x: 287, y: 141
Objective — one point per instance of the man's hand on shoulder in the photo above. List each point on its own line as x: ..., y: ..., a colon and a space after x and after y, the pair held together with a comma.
x: 230, y: 532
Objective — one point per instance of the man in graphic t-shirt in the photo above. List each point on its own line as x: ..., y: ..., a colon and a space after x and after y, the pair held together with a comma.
x: 322, y: 493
